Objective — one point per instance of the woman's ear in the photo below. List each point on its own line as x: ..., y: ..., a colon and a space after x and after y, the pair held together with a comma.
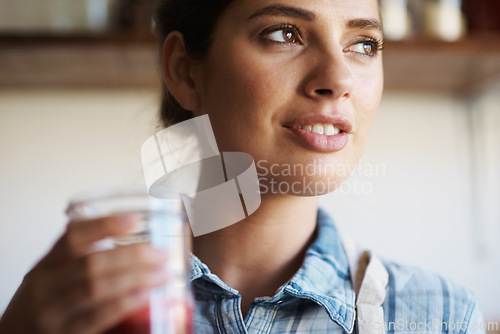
x: 177, y: 71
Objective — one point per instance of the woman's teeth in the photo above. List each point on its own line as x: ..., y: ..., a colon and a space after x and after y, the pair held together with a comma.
x: 322, y: 129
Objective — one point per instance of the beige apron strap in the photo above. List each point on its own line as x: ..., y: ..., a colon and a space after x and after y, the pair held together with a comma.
x: 369, y: 278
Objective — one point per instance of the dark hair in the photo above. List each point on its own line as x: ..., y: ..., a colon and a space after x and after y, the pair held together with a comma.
x: 196, y: 21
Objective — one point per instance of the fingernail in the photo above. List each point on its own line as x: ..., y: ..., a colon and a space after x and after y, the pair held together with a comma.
x: 160, y: 274
x: 161, y: 254
x: 128, y: 221
x: 141, y: 296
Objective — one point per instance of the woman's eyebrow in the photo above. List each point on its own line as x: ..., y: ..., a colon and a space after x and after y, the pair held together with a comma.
x: 279, y: 10
x: 367, y: 24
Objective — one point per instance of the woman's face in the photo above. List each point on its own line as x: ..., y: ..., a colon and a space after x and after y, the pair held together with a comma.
x: 295, y: 84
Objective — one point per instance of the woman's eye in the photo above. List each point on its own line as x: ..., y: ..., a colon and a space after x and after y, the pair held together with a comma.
x: 368, y: 48
x: 283, y: 35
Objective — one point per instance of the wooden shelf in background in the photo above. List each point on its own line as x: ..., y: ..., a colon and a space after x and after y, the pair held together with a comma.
x: 112, y: 60
x: 437, y: 66
x: 122, y: 59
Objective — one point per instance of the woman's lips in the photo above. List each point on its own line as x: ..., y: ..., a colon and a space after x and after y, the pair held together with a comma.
x: 319, y: 142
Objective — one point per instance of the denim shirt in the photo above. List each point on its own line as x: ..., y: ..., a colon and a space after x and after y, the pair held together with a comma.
x: 320, y: 298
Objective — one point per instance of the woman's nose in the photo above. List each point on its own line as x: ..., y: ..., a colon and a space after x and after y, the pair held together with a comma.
x: 330, y: 77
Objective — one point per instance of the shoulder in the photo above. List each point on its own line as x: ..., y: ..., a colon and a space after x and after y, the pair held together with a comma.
x: 416, y: 297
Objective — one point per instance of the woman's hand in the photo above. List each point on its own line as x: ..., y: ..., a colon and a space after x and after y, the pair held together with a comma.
x: 73, y: 291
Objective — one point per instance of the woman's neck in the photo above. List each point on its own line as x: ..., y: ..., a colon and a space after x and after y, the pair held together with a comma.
x: 260, y: 253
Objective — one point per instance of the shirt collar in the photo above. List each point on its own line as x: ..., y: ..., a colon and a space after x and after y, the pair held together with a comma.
x: 323, y: 277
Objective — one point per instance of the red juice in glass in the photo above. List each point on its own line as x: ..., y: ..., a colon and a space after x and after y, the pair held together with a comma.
x: 137, y: 323
x: 172, y: 317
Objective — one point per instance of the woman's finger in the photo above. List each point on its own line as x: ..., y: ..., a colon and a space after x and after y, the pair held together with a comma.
x: 103, y: 263
x: 94, y: 293
x: 80, y: 236
x: 122, y: 258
